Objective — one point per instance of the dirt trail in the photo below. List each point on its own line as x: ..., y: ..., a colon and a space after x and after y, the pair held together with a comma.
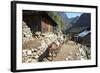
x: 69, y: 51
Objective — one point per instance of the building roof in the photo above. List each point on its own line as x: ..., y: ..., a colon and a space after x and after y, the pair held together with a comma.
x: 84, y: 33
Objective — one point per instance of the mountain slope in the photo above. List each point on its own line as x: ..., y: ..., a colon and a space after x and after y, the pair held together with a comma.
x: 73, y: 20
x: 65, y: 19
x: 84, y: 20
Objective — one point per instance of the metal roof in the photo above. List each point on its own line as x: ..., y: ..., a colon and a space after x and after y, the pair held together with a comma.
x: 84, y: 33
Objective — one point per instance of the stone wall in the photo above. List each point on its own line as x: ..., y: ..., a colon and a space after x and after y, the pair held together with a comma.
x: 26, y: 33
x: 35, y: 54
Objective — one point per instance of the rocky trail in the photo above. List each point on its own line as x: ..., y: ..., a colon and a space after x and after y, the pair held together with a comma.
x: 68, y: 51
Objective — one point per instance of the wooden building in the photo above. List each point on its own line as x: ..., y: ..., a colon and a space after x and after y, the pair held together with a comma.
x: 39, y: 21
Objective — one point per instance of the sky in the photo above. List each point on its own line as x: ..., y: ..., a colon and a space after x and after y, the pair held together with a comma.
x: 73, y: 14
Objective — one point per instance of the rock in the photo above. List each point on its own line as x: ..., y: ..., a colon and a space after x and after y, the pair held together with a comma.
x: 85, y: 52
x: 50, y: 54
x: 24, y: 52
x: 37, y: 34
x: 32, y: 50
x: 57, y: 43
x: 48, y: 41
x: 29, y: 60
x: 44, y: 45
x: 70, y: 58
x: 34, y: 53
x: 36, y: 56
x: 35, y: 50
x: 29, y: 52
x: 66, y: 59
